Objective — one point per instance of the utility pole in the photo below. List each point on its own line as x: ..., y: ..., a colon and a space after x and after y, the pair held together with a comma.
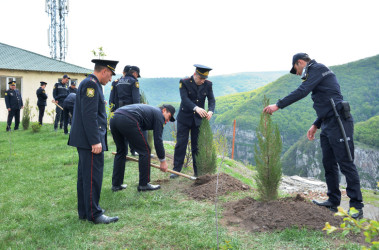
x: 57, y: 32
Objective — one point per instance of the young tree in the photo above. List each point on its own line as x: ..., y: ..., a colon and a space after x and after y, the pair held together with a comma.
x: 26, y: 115
x: 206, y: 156
x: 267, y: 157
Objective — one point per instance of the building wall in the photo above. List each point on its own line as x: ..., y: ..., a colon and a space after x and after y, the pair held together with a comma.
x: 30, y: 83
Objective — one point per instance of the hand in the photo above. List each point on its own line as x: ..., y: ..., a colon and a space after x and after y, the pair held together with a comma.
x: 56, y: 102
x: 270, y: 109
x: 9, y: 109
x: 97, y: 148
x: 201, y: 112
x: 163, y: 166
x: 53, y: 101
x: 209, y: 115
x: 311, y: 133
x: 22, y: 107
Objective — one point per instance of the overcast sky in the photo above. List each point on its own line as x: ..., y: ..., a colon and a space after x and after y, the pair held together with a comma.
x: 166, y: 37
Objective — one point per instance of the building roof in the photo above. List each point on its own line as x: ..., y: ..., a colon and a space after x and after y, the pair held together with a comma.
x: 19, y: 59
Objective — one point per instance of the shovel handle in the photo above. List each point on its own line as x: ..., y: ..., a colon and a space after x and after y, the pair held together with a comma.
x: 156, y: 166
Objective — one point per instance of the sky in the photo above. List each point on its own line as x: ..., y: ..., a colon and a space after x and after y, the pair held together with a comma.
x: 166, y: 37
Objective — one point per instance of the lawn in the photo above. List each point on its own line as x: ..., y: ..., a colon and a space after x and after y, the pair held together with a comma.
x: 39, y: 209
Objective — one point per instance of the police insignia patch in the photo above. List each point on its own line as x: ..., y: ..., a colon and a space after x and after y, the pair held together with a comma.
x: 90, y: 92
x: 180, y: 85
x: 111, y: 88
x: 6, y: 93
x: 137, y: 85
x: 43, y: 91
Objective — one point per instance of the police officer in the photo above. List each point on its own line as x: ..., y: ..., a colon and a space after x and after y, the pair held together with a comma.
x: 68, y: 110
x: 128, y: 122
x: 41, y: 102
x: 13, y: 102
x: 193, y: 92
x: 72, y: 88
x: 128, y: 87
x: 60, y: 92
x: 323, y: 84
x: 89, y: 135
x: 113, y: 98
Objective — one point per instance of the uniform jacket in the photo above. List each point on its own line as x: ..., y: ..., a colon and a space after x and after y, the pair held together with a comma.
x: 60, y: 91
x: 72, y: 90
x: 69, y: 102
x: 193, y: 95
x: 13, y: 99
x: 148, y: 118
x: 128, y: 91
x: 89, y: 123
x: 324, y: 85
x: 41, y: 96
x: 113, y: 99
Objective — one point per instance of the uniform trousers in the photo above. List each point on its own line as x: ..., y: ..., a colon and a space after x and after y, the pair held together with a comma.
x: 66, y: 117
x: 41, y: 109
x: 334, y: 154
x: 16, y: 114
x: 182, y: 135
x: 58, y: 116
x: 126, y: 128
x: 90, y: 179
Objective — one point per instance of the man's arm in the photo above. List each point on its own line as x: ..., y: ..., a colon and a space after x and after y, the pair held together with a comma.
x: 211, y: 102
x: 135, y: 93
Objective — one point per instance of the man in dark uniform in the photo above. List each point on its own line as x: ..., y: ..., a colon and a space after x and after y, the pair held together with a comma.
x: 193, y: 92
x: 128, y: 87
x: 13, y: 102
x: 128, y: 123
x: 89, y: 135
x: 324, y: 85
x: 41, y: 103
x: 68, y: 110
x: 113, y: 98
x: 72, y: 88
x: 60, y: 92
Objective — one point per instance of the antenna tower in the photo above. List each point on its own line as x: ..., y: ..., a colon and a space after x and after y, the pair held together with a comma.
x: 57, y: 32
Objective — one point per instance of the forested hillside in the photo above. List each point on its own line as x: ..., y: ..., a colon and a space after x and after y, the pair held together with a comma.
x: 359, y: 85
x: 162, y: 90
x: 367, y: 132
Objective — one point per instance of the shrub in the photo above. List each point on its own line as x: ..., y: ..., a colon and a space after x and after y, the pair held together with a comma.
x: 26, y: 115
x: 36, y: 127
x: 206, y: 156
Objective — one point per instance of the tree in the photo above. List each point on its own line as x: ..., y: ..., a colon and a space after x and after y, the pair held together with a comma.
x: 26, y: 115
x: 267, y: 157
x: 206, y: 156
x: 100, y: 53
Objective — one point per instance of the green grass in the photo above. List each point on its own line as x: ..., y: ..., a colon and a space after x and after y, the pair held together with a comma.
x: 39, y: 208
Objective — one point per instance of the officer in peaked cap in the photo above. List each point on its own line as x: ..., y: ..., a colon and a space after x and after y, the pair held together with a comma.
x: 322, y: 82
x: 60, y: 92
x: 41, y: 103
x: 13, y: 102
x: 89, y: 135
x: 193, y: 92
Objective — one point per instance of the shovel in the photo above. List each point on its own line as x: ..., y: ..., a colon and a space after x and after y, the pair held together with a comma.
x: 156, y: 166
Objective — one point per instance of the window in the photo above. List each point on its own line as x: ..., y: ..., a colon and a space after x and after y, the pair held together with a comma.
x: 5, y: 86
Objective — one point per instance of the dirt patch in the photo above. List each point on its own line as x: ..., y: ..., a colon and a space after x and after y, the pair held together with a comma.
x: 204, y: 188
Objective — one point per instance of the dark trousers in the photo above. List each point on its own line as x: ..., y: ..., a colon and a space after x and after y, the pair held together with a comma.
x: 41, y: 110
x: 334, y: 154
x: 125, y: 128
x: 181, y: 145
x: 66, y: 117
x: 58, y: 116
x: 90, y: 179
x: 16, y: 114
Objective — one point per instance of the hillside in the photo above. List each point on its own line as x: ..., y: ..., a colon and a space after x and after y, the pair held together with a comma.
x: 159, y: 90
x: 367, y: 132
x: 359, y: 85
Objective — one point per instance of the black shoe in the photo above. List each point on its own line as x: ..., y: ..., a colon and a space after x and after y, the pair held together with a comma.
x: 357, y: 216
x: 148, y: 187
x: 173, y: 176
x: 118, y: 188
x: 15, y: 129
x: 103, y: 219
x: 84, y: 218
x: 326, y: 204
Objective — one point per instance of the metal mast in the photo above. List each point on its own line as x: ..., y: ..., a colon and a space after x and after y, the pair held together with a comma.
x: 57, y: 32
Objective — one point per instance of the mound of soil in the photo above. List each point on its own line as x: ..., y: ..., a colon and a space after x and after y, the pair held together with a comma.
x: 204, y: 188
x: 284, y: 213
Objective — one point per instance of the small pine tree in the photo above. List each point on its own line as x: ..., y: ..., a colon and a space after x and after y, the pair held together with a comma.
x: 150, y: 134
x: 206, y: 156
x: 267, y: 157
x: 26, y: 115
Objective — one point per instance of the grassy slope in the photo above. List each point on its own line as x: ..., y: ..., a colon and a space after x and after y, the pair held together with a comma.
x: 38, y: 205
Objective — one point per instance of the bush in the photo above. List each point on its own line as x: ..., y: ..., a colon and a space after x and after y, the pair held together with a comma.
x: 206, y: 156
x: 36, y: 127
x: 267, y: 157
x: 26, y: 115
